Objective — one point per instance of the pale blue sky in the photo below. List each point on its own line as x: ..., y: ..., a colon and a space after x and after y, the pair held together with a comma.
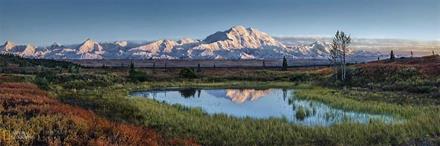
x: 42, y: 22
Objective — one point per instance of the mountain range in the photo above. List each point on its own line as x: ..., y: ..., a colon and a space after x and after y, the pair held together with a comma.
x: 237, y: 42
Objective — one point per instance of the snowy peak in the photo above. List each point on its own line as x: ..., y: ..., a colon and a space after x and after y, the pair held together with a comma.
x: 243, y: 31
x: 167, y: 45
x: 239, y: 37
x: 225, y: 35
x: 89, y: 46
x: 235, y: 34
x: 218, y: 36
x: 239, y: 28
x: 319, y: 46
x: 28, y: 51
x: 55, y: 45
x: 7, y: 46
x: 318, y: 43
x: 9, y: 43
x: 252, y: 37
x: 25, y: 51
x: 157, y: 46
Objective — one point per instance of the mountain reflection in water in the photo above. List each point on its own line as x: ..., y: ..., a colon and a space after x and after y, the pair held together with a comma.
x: 260, y: 104
x: 241, y: 95
x: 235, y: 95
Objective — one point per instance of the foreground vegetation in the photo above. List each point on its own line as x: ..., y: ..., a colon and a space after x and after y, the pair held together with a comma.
x: 372, y: 88
x: 420, y: 123
x: 30, y: 117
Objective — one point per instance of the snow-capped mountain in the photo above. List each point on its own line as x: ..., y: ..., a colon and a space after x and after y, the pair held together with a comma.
x: 89, y: 49
x: 237, y: 42
x: 170, y: 49
x: 7, y: 47
x: 316, y: 49
x: 21, y: 50
x: 370, y: 46
x: 239, y: 37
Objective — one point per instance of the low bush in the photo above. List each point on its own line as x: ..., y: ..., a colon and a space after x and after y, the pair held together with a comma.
x: 306, y: 77
x: 42, y: 82
x: 187, y: 73
x: 302, y: 113
x: 87, y: 80
x: 138, y: 76
x: 29, y: 117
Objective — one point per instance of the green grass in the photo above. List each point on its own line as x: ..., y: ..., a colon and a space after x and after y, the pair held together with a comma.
x: 302, y: 113
x: 341, y: 100
x: 177, y: 121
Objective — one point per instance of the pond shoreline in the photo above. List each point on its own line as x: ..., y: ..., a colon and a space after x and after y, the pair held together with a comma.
x: 259, y: 104
x: 183, y: 122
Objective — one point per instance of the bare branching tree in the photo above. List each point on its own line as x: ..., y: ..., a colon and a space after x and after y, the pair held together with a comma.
x: 339, y: 53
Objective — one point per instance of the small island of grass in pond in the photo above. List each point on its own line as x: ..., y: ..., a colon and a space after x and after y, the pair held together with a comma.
x: 261, y: 104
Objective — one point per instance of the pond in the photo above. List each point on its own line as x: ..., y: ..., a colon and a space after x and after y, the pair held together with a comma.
x: 260, y: 104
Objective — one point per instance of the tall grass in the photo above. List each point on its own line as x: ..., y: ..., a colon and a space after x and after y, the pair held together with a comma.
x: 177, y: 121
x: 338, y: 99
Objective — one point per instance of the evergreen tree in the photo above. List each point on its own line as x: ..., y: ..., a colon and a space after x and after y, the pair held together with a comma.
x: 154, y: 67
x: 198, y: 68
x: 284, y: 68
x: 131, y: 67
x: 187, y: 73
x: 412, y: 54
x: 136, y: 75
x: 392, y: 57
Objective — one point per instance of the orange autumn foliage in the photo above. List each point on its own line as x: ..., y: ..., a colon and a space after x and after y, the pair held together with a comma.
x: 28, y: 116
x: 427, y: 65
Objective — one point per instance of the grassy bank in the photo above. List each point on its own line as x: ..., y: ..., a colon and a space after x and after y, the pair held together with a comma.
x: 421, y: 123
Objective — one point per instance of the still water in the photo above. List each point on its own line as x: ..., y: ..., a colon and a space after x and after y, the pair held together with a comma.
x: 260, y: 104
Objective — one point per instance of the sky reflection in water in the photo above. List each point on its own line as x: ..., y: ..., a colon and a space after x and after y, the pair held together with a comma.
x: 260, y: 104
